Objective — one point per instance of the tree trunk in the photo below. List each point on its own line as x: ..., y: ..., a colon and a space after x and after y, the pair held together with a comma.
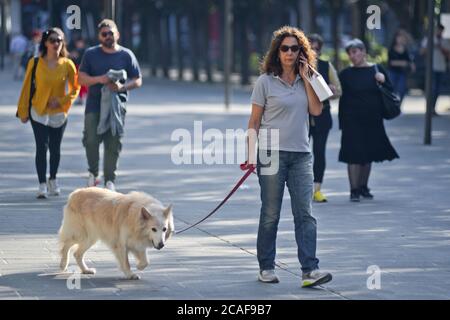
x: 179, y: 48
x: 313, y: 14
x: 305, y: 15
x: 206, y: 49
x: 151, y: 39
x: 362, y: 8
x: 143, y: 46
x: 157, y: 41
x: 165, y: 39
x: 193, y: 32
x: 358, y: 20
x: 335, y: 7
x: 243, y: 45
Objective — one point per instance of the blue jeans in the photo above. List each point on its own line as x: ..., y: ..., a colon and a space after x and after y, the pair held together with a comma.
x: 398, y: 80
x: 295, y: 170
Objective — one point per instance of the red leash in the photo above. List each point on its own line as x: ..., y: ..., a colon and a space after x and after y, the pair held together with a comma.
x: 245, y: 166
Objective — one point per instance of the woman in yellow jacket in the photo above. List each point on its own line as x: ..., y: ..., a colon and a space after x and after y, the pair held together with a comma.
x: 49, y: 105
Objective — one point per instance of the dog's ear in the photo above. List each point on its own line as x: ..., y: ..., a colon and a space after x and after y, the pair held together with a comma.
x: 167, y: 210
x: 170, y: 227
x: 145, y: 214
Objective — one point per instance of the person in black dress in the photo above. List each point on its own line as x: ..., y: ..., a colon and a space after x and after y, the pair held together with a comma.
x: 321, y: 125
x: 364, y: 138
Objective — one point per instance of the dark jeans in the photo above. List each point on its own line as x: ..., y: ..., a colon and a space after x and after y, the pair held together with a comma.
x: 398, y: 80
x: 92, y: 141
x: 319, y: 138
x: 47, y: 138
x: 294, y: 169
x: 438, y: 77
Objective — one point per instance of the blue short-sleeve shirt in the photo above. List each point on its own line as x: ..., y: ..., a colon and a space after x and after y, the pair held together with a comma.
x: 97, y: 62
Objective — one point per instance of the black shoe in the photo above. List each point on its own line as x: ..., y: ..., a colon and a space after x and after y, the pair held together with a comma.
x: 365, y: 193
x: 354, y: 195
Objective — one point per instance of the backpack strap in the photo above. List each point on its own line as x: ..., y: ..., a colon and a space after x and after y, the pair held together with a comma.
x: 32, y: 83
x: 32, y: 86
x: 376, y: 68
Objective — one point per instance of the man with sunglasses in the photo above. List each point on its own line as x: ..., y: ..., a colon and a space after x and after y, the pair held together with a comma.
x: 96, y: 63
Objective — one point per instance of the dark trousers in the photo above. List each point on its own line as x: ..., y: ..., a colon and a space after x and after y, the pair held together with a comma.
x: 438, y: 77
x: 47, y: 138
x: 91, y: 142
x: 319, y: 138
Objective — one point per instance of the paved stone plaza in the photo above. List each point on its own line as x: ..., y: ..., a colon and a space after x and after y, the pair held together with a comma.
x: 405, y: 230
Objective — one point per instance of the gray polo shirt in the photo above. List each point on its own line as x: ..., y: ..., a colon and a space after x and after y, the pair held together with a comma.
x: 285, y: 109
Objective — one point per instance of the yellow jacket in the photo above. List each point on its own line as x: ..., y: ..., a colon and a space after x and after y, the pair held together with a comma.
x: 50, y: 82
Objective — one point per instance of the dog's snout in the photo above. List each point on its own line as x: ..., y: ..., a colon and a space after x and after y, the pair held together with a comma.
x: 160, y: 246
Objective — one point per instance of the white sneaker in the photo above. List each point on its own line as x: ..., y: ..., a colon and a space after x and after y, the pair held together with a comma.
x: 53, y: 188
x: 110, y: 186
x: 315, y: 278
x: 42, y: 193
x: 268, y: 276
x: 92, y: 180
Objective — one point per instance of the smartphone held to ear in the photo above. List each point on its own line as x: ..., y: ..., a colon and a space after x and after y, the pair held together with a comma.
x: 298, y: 61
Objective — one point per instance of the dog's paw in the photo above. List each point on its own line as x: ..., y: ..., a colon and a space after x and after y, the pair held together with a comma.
x: 133, y: 276
x: 89, y: 271
x: 142, y: 266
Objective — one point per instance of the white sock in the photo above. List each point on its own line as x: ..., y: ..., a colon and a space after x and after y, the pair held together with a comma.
x: 317, y: 186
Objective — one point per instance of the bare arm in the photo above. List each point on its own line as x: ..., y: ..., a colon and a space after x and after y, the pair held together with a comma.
x: 314, y: 105
x: 253, y: 128
x: 134, y: 83
x: 86, y: 80
x: 130, y: 85
x: 445, y: 50
x: 255, y: 118
x: 399, y: 63
x: 335, y: 84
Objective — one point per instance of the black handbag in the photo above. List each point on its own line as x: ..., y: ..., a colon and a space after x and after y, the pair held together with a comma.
x: 391, y: 101
x: 32, y: 86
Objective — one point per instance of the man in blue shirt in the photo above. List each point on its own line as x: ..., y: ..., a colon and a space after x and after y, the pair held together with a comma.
x: 97, y: 61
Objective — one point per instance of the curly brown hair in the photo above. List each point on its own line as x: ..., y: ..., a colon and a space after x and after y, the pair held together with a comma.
x: 271, y: 62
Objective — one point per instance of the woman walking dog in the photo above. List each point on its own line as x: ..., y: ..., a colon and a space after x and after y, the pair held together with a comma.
x: 282, y: 101
x: 48, y: 107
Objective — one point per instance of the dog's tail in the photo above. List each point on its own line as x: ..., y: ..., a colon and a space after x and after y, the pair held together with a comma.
x: 68, y: 212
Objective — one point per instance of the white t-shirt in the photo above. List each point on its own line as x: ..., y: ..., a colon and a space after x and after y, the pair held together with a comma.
x: 54, y: 120
x: 439, y: 59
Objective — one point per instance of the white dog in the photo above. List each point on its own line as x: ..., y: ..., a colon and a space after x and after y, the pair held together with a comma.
x: 126, y: 223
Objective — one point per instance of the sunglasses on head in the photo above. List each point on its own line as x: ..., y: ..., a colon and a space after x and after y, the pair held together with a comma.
x: 294, y: 48
x: 55, y: 40
x: 107, y: 33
